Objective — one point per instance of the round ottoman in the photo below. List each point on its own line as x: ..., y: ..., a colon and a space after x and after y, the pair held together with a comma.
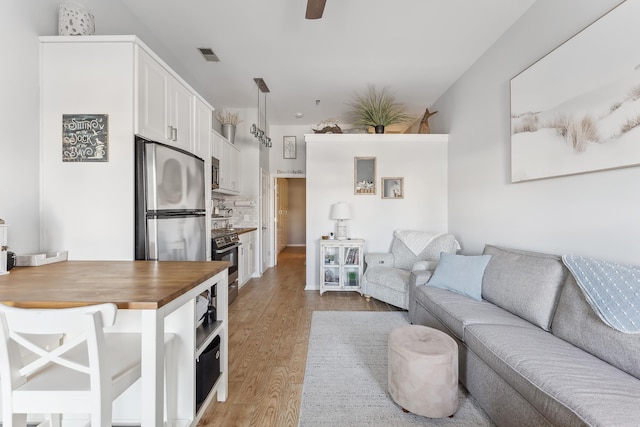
x: 423, y: 371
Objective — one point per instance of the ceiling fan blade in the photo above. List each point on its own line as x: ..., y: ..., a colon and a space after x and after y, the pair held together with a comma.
x: 315, y: 9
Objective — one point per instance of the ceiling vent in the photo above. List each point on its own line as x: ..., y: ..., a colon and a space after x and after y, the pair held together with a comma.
x: 209, y: 54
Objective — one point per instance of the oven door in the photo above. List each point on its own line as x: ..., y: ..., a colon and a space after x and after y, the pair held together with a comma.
x: 229, y: 254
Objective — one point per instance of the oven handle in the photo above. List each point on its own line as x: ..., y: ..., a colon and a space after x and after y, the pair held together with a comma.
x: 227, y: 249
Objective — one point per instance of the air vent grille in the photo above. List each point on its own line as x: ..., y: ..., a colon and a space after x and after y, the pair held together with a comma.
x: 209, y: 54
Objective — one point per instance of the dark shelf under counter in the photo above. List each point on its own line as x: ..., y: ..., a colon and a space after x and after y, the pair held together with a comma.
x: 205, y: 333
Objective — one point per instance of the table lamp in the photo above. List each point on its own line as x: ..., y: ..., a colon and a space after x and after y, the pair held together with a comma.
x: 341, y: 211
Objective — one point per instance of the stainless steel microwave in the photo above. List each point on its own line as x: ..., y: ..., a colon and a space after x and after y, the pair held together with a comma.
x: 215, y: 173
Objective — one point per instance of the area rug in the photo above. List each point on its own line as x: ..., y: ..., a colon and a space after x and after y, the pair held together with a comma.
x: 345, y: 382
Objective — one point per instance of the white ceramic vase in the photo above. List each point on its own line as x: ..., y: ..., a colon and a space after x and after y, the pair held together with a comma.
x: 75, y: 20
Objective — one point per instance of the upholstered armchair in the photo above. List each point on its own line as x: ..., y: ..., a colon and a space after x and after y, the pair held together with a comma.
x: 386, y: 276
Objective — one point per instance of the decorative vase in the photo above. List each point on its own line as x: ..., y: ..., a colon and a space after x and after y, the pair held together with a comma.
x: 229, y: 132
x: 379, y: 128
x: 75, y: 20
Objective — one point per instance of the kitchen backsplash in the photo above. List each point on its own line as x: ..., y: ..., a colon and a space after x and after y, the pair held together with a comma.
x: 240, y: 211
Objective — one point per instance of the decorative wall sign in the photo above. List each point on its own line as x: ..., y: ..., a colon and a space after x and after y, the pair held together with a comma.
x: 577, y: 109
x: 85, y: 138
x: 393, y: 188
x: 289, y: 147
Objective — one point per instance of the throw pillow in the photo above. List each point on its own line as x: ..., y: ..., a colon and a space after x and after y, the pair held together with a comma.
x: 461, y: 274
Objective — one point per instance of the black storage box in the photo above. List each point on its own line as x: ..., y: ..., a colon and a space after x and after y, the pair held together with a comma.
x: 207, y: 370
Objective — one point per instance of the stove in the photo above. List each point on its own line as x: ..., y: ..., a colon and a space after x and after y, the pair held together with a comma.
x: 225, y: 241
x: 225, y: 248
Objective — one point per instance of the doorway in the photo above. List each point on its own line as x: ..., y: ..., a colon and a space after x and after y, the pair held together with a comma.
x: 290, y: 213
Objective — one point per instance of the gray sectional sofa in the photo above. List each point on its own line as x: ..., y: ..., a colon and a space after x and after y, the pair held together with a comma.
x: 533, y: 352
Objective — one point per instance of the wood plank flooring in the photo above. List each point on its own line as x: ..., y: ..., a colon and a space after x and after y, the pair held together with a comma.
x: 269, y: 326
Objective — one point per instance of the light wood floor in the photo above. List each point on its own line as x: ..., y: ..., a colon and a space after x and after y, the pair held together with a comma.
x: 269, y: 327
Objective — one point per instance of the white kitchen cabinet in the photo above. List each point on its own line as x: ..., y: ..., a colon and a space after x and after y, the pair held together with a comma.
x: 229, y: 156
x: 165, y: 106
x: 246, y: 257
x: 83, y: 202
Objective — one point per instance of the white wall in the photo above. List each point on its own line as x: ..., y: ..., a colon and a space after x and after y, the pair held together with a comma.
x: 280, y: 166
x: 420, y: 159
x: 595, y: 214
x: 21, y: 22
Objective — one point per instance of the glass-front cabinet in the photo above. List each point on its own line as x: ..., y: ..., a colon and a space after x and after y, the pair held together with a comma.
x: 341, y: 265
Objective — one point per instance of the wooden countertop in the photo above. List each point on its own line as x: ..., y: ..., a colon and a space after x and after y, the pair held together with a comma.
x: 128, y: 284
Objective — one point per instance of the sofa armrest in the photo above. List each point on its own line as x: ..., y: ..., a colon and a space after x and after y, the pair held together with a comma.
x: 375, y: 259
x: 417, y: 278
x: 425, y: 265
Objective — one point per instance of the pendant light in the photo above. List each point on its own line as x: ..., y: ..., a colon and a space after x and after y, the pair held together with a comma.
x: 256, y: 130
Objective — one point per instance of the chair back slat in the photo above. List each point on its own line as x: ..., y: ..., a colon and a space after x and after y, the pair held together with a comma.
x: 22, y: 355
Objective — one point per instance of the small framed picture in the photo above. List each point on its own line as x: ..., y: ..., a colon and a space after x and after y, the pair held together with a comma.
x: 393, y: 188
x: 364, y: 181
x: 289, y: 147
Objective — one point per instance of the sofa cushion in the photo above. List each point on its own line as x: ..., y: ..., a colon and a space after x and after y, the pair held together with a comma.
x: 461, y: 274
x: 457, y: 311
x: 576, y: 322
x: 527, y: 284
x: 566, y: 385
x: 392, y: 278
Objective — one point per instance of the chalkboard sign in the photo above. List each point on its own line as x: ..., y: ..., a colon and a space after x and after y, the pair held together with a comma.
x: 85, y: 138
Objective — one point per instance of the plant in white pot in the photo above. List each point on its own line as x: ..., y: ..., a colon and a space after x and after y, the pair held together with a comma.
x: 377, y: 109
x: 229, y: 121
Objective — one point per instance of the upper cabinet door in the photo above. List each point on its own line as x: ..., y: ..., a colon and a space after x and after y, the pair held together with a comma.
x: 181, y: 116
x: 202, y: 131
x: 153, y: 102
x: 165, y: 106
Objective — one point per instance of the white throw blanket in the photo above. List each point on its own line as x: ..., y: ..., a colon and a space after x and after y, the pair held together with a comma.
x: 612, y: 290
x: 416, y: 241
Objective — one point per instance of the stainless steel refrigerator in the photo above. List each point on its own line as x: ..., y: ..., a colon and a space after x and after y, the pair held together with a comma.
x: 170, y: 207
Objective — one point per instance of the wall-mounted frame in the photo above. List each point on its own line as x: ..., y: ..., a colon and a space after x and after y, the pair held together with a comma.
x: 85, y: 137
x: 364, y: 175
x: 393, y: 188
x: 289, y: 147
x: 577, y: 109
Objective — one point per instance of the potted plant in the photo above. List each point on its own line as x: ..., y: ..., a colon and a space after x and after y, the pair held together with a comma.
x: 377, y: 109
x: 353, y: 278
x: 229, y: 122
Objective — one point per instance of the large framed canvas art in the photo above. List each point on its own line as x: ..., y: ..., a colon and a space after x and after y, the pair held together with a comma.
x: 577, y: 109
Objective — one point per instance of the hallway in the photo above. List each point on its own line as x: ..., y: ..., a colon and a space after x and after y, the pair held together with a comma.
x: 269, y: 327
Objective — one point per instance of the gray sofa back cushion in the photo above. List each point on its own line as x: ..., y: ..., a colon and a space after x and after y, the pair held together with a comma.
x: 577, y: 323
x: 527, y: 284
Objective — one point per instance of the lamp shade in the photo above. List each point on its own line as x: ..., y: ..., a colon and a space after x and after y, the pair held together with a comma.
x: 340, y: 210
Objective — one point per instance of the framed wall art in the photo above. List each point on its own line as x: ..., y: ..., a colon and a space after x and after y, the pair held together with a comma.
x: 364, y: 181
x: 577, y: 109
x: 393, y: 188
x: 85, y: 137
x: 289, y: 147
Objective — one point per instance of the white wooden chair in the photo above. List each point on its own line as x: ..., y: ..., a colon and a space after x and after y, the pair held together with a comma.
x: 83, y: 375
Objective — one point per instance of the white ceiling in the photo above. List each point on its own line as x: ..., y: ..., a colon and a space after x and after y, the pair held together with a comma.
x: 415, y: 48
